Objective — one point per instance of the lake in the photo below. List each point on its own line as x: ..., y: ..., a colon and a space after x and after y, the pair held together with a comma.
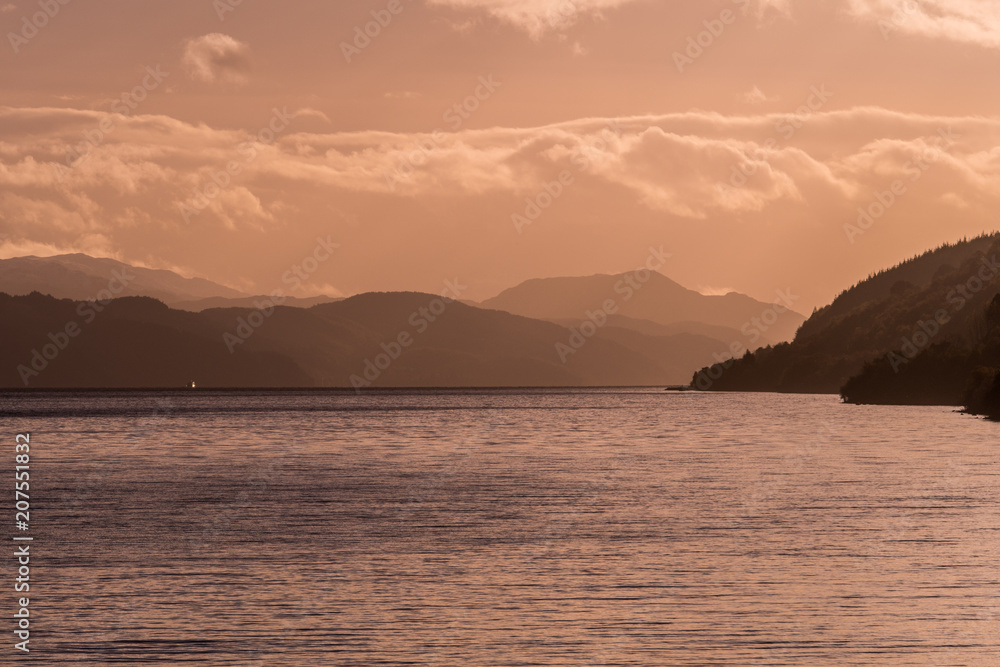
x: 591, y: 527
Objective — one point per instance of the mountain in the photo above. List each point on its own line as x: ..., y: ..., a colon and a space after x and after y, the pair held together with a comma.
x: 84, y: 278
x: 658, y: 300
x: 199, y: 305
x: 131, y: 342
x: 718, y: 333
x: 385, y: 339
x: 949, y: 372
x: 925, y: 331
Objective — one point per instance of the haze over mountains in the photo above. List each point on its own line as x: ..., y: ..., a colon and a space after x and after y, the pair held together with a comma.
x: 659, y: 301
x: 84, y: 278
x: 925, y: 331
x: 387, y: 340
x: 602, y: 333
x: 81, y: 277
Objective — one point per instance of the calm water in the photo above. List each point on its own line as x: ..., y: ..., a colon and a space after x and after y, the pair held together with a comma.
x: 506, y: 528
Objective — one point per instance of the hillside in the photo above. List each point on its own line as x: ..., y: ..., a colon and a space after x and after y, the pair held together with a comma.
x: 133, y: 342
x: 927, y: 317
x: 378, y: 340
x: 943, y: 373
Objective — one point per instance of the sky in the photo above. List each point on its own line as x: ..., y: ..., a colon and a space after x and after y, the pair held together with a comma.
x: 764, y: 144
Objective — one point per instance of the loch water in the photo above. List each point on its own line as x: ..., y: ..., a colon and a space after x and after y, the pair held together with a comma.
x: 507, y: 527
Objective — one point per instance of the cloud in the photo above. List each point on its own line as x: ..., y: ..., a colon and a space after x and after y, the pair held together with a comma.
x: 307, y: 290
x: 700, y: 174
x: 93, y: 245
x: 693, y: 166
x: 217, y: 57
x: 714, y: 291
x: 536, y: 17
x: 309, y: 112
x: 7, y: 8
x: 966, y: 21
x: 540, y: 17
x: 755, y: 96
x: 781, y: 7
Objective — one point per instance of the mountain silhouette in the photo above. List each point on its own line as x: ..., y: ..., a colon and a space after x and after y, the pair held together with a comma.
x: 370, y: 340
x: 130, y: 342
x: 81, y: 277
x: 924, y: 332
x: 198, y: 305
x: 659, y: 301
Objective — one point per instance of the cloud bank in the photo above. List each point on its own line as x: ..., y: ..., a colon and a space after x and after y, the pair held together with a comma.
x: 967, y: 21
x: 704, y: 175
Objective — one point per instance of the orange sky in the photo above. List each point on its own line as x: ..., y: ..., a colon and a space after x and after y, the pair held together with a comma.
x: 221, y: 139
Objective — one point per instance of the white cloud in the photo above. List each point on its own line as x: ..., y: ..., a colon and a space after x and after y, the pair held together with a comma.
x: 309, y: 112
x: 967, y: 21
x: 673, y: 171
x: 217, y: 57
x: 681, y: 164
x: 714, y: 291
x: 536, y: 17
x: 94, y: 245
x: 761, y: 7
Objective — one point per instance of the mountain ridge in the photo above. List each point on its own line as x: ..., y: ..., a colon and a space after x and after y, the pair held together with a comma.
x: 659, y: 300
x: 82, y: 277
x: 370, y: 340
x: 924, y: 331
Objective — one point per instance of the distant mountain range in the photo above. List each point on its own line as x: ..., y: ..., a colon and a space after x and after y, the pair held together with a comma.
x: 377, y: 340
x: 198, y: 305
x: 659, y: 301
x: 84, y: 278
x: 57, y: 332
x: 924, y: 332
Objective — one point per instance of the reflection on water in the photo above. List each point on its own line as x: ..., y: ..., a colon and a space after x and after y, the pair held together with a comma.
x: 508, y: 528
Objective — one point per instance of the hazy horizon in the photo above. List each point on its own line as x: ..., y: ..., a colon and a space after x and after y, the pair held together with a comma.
x: 190, y: 275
